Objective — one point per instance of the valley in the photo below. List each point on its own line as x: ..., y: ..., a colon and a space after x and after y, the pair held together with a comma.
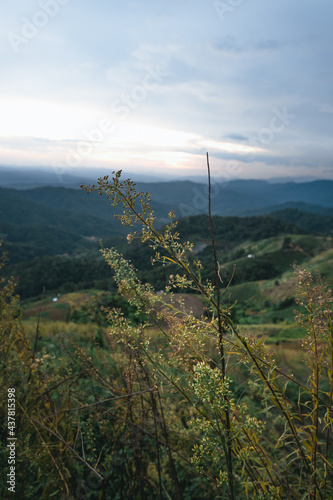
x: 52, y: 237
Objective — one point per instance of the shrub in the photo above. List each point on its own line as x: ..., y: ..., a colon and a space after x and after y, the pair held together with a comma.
x: 247, y: 441
x: 192, y: 408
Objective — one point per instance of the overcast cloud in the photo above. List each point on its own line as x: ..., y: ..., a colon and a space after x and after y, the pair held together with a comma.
x: 150, y: 86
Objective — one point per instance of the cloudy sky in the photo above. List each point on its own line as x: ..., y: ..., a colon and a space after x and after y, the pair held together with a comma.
x: 150, y: 86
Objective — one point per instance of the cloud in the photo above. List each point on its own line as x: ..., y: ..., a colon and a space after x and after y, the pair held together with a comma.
x: 236, y: 137
x: 222, y: 80
x: 326, y: 108
x: 268, y: 44
x: 228, y: 45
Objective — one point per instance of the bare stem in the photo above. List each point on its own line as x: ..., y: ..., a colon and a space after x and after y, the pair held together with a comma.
x: 221, y: 331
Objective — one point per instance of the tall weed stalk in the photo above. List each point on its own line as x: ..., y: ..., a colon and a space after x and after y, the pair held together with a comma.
x: 250, y: 438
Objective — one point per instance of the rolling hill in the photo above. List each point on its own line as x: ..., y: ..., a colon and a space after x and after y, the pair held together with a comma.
x: 52, y: 233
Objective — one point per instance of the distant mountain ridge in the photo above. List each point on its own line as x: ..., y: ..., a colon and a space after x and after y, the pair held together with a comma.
x: 58, y: 229
x: 54, y: 220
x: 236, y: 196
x: 58, y: 176
x: 62, y: 176
x: 239, y: 197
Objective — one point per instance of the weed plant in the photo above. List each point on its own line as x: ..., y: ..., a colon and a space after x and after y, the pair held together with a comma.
x: 165, y: 404
x: 253, y: 441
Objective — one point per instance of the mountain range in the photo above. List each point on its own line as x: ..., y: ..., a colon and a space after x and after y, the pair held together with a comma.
x: 77, y: 217
x: 53, y: 232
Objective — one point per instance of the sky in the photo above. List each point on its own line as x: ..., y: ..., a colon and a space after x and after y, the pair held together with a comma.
x: 151, y: 86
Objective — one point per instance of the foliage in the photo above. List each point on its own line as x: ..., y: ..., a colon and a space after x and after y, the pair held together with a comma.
x: 57, y: 249
x: 231, y: 229
x: 93, y: 311
x: 44, y: 428
x: 234, y: 452
x: 311, y: 222
x: 61, y: 274
x: 165, y: 404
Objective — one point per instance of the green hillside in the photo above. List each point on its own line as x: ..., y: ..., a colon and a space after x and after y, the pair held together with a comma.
x: 52, y: 239
x: 138, y: 380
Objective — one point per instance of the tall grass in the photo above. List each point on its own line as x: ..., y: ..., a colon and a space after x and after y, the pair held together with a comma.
x: 279, y: 447
x: 170, y: 405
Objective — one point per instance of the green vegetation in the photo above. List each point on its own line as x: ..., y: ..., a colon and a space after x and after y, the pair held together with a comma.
x: 57, y: 248
x: 122, y: 392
